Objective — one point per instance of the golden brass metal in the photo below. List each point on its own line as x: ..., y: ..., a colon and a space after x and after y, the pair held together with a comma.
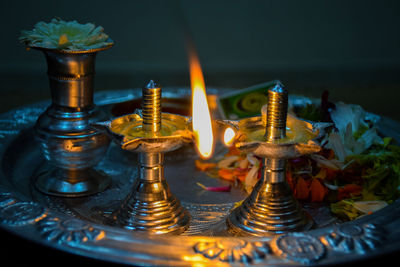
x: 271, y: 207
x: 151, y: 207
x: 151, y: 108
x: 276, y: 114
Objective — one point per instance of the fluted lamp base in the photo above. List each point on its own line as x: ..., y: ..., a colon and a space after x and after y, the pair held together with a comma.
x: 271, y: 209
x: 152, y: 208
x: 71, y: 183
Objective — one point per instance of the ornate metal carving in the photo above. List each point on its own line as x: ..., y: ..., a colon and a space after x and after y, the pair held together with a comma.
x: 22, y: 213
x: 16, y: 120
x: 54, y: 226
x: 299, y: 247
x: 6, y: 199
x: 235, y: 250
x: 69, y: 230
x: 350, y: 238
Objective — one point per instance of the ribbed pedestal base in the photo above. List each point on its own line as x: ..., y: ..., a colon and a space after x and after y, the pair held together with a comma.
x: 270, y: 209
x: 152, y: 208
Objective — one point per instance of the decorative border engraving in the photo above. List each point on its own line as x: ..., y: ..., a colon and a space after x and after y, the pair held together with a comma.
x: 68, y: 231
x: 44, y: 226
x: 234, y: 250
x: 14, y: 121
x: 22, y: 213
x: 6, y: 199
x: 299, y: 247
x: 349, y: 238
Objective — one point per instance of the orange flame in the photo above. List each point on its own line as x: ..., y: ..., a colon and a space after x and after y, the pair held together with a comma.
x: 201, y: 118
x: 229, y: 136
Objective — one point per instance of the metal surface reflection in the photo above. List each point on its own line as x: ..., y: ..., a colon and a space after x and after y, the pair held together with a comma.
x: 70, y: 145
x: 151, y: 207
x: 271, y: 207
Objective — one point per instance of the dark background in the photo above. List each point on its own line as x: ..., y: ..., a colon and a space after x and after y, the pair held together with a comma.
x: 351, y: 48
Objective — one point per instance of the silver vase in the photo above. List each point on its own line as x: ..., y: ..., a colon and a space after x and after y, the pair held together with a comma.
x: 68, y: 142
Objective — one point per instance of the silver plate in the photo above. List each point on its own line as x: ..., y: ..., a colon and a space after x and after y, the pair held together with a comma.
x: 79, y: 225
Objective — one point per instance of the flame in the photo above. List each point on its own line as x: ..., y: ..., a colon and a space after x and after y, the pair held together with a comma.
x: 229, y: 136
x: 201, y: 118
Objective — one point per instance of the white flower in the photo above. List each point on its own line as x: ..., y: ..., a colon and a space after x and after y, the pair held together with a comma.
x: 367, y: 207
x: 66, y: 35
x: 252, y: 176
x: 344, y: 114
x: 348, y: 120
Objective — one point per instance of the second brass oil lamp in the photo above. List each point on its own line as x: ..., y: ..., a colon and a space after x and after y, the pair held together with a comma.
x: 275, y: 137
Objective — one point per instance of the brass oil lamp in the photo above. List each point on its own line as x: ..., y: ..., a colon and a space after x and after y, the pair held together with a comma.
x: 151, y: 207
x: 275, y: 137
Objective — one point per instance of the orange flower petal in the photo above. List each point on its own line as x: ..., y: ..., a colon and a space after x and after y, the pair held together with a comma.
x: 204, y: 166
x: 240, y: 174
x: 233, y: 151
x: 226, y: 174
x: 317, y: 190
x: 349, y: 190
x: 302, y: 191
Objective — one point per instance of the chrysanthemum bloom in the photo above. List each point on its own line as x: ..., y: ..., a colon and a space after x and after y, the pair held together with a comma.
x: 65, y: 35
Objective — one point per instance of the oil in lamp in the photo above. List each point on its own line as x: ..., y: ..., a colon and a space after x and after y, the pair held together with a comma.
x: 271, y: 207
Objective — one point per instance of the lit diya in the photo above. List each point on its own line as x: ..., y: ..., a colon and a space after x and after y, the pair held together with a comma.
x: 271, y: 207
x: 151, y: 207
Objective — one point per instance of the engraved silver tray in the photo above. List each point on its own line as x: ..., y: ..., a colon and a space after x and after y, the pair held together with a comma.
x: 79, y: 225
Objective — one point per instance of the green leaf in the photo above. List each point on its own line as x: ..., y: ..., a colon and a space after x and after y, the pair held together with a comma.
x: 361, y: 130
x: 386, y: 141
x: 310, y: 112
x: 345, y: 210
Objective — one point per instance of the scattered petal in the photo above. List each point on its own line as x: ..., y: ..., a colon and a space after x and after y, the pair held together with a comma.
x: 331, y: 186
x: 226, y: 174
x: 302, y: 191
x: 204, y: 166
x: 215, y: 188
x: 318, y: 191
x: 369, y: 206
x: 252, y: 159
x: 330, y: 164
x: 252, y: 176
x: 321, y: 174
x: 349, y: 190
x: 240, y: 174
x: 227, y: 162
x: 243, y: 164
